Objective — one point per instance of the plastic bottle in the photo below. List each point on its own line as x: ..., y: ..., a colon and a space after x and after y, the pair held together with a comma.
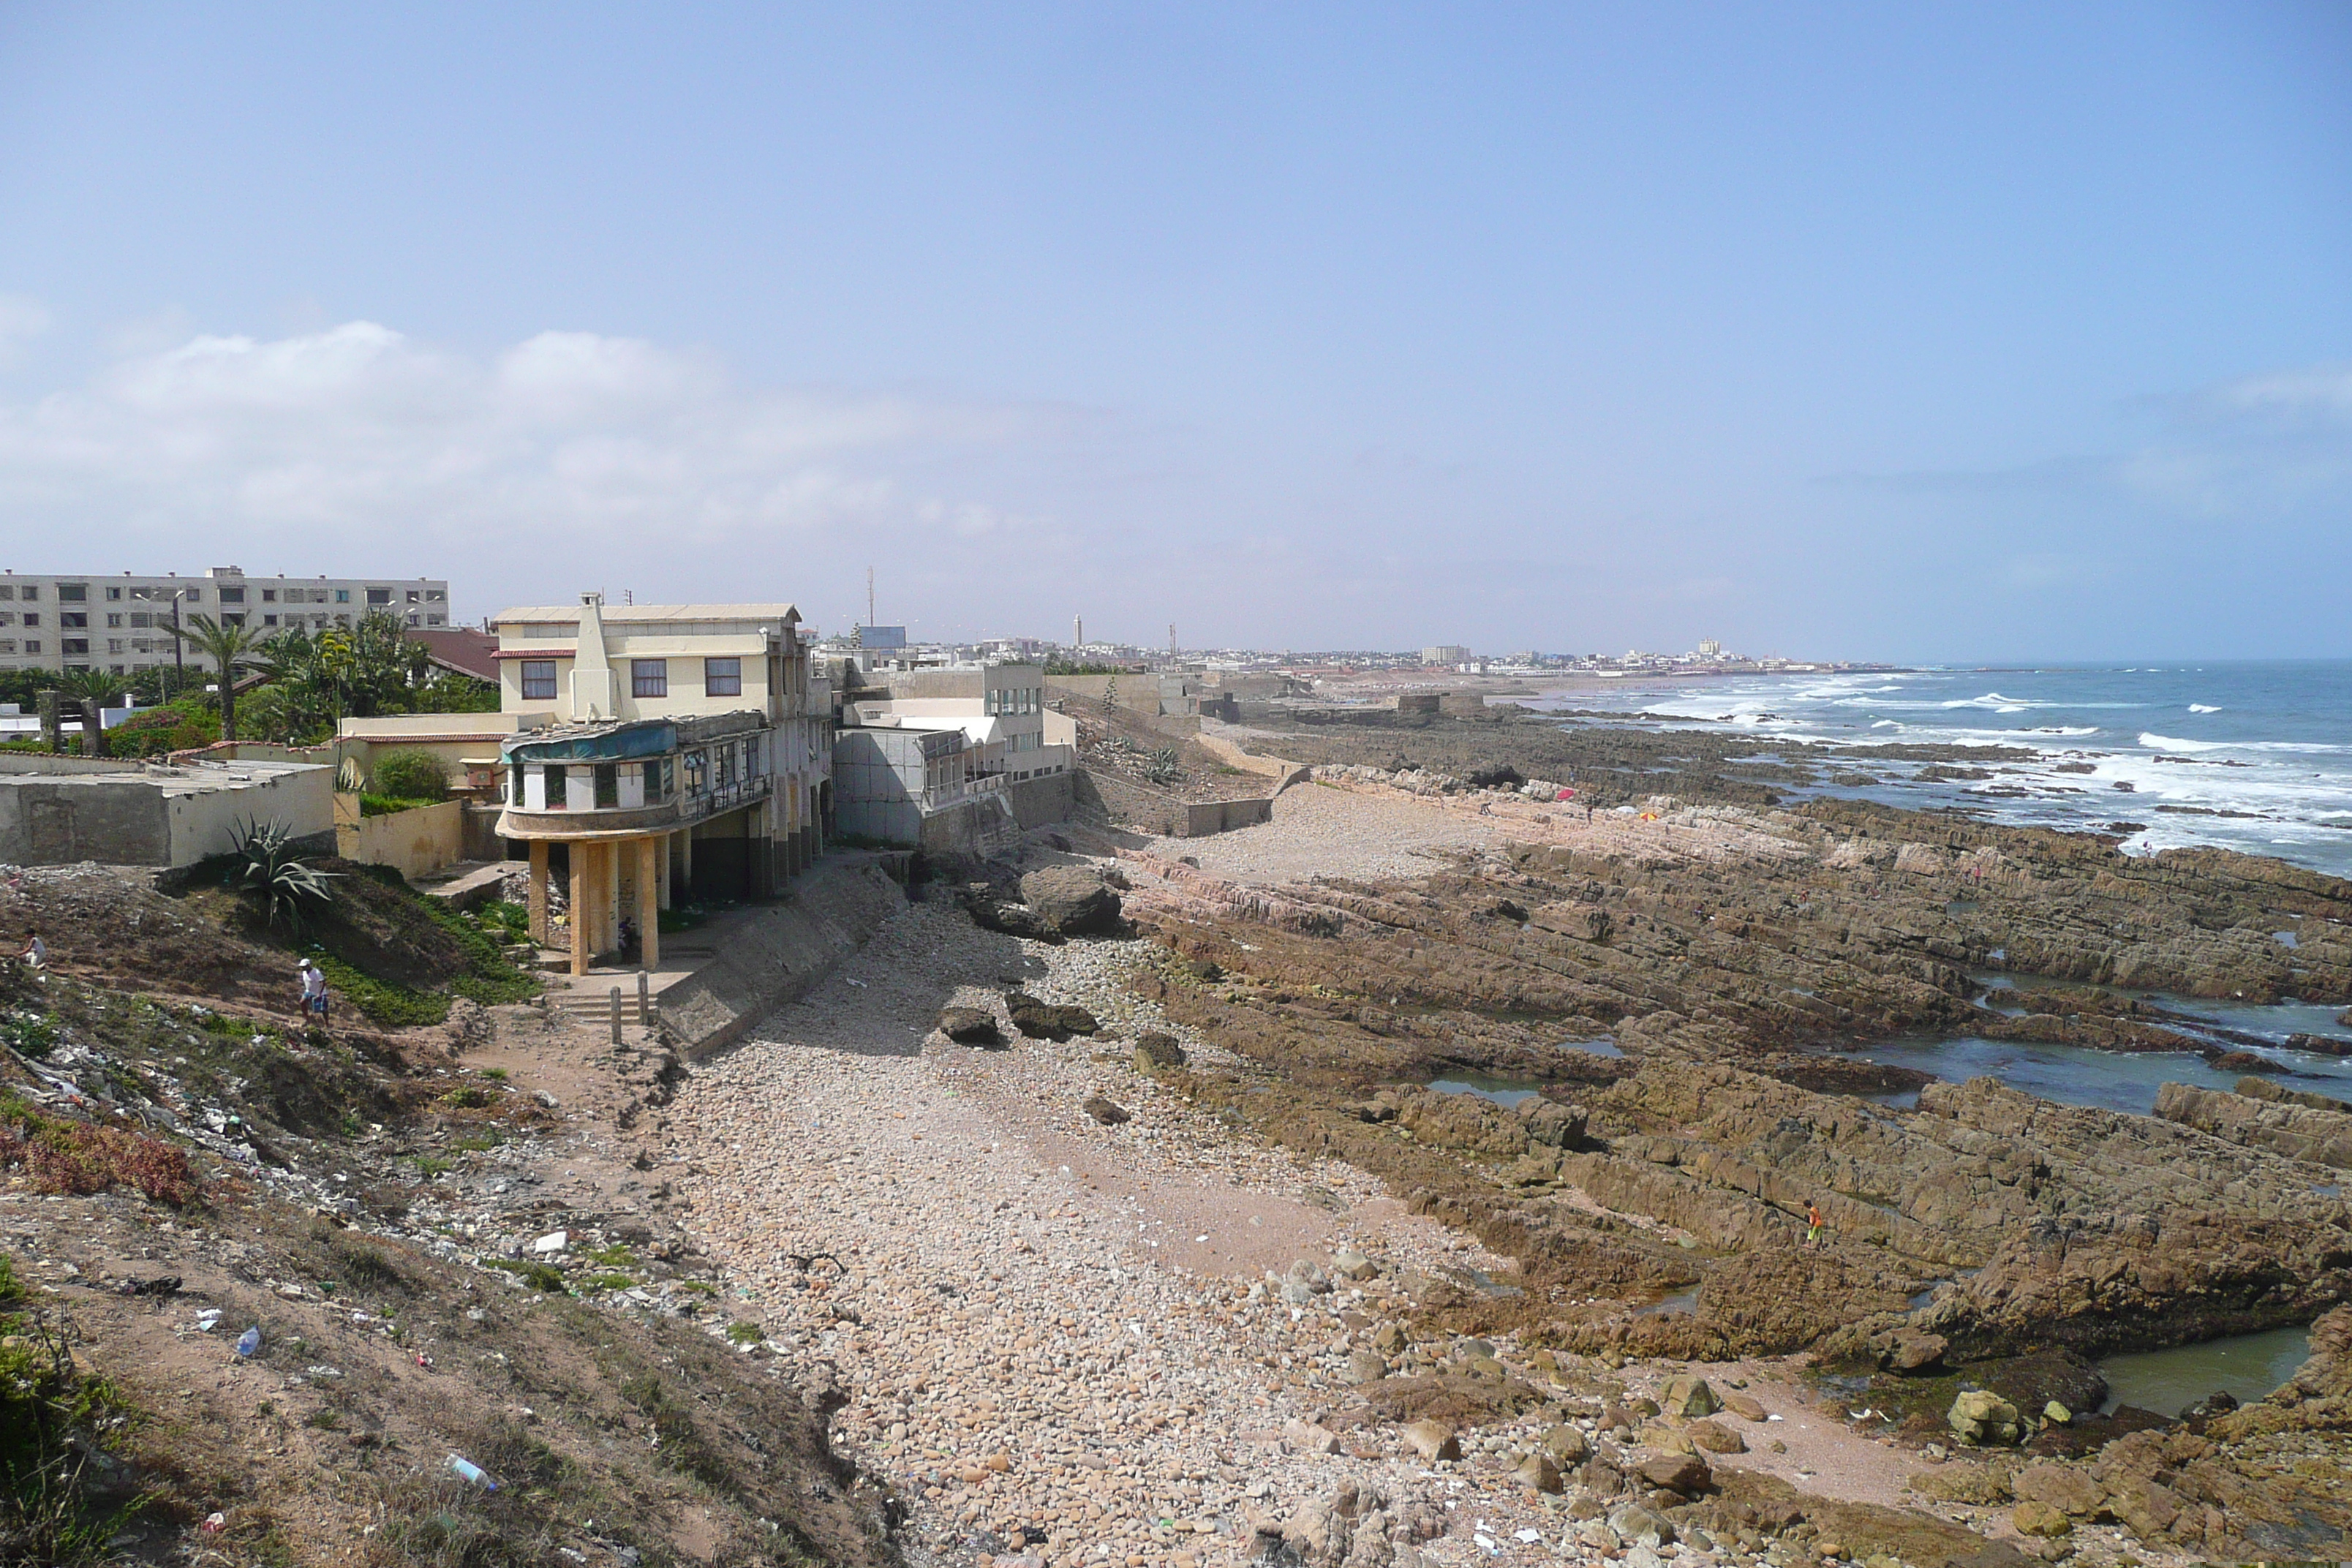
x: 465, y: 1469
x: 248, y: 1343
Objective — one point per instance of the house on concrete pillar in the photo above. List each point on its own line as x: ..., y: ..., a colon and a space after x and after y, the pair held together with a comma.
x: 663, y: 751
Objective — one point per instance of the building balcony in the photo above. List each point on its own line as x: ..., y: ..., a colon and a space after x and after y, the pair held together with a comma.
x: 632, y: 821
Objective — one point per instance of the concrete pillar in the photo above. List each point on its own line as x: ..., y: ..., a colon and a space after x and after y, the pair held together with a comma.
x: 580, y: 907
x: 539, y: 891
x: 661, y: 870
x: 686, y: 860
x: 648, y: 906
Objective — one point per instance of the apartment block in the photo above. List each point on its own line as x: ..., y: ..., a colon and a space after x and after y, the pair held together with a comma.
x: 122, y: 624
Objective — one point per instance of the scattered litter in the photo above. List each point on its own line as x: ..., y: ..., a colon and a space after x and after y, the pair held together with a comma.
x: 208, y: 1320
x: 425, y: 1361
x: 165, y: 1286
x: 213, y: 1523
x: 249, y: 1342
x: 553, y: 1242
x: 465, y: 1469
x: 1528, y: 1536
x: 323, y: 1371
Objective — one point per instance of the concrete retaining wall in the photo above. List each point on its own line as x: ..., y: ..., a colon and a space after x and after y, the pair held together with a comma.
x: 827, y: 915
x: 1203, y: 818
x: 1036, y: 802
x: 416, y: 842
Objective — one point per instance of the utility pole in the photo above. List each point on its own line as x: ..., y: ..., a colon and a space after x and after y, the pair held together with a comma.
x: 869, y: 596
x: 179, y: 646
x: 1171, y: 642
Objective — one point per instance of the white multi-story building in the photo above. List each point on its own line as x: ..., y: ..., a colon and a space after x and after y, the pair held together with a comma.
x: 122, y: 624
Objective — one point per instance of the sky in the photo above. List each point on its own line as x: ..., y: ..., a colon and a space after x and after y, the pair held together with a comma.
x: 1931, y: 333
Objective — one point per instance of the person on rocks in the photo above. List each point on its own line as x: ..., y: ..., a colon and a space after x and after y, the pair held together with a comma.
x: 1814, y: 1229
x: 36, y: 952
x: 314, y: 992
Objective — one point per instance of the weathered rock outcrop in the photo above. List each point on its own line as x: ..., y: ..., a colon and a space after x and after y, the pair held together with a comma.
x: 1071, y: 900
x: 2299, y: 1126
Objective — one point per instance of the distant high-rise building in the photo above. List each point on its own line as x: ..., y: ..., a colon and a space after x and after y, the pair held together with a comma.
x: 1445, y: 653
x: 122, y: 625
x: 1711, y: 648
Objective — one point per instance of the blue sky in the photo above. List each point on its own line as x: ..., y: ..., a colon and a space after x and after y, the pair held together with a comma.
x: 1915, y: 333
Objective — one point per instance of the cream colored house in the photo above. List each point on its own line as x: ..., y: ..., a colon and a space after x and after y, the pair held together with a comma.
x: 660, y: 750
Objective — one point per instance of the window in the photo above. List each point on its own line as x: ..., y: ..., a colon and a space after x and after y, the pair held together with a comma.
x: 73, y: 618
x: 434, y: 595
x: 114, y: 621
x: 32, y: 592
x: 138, y: 618
x: 7, y: 645
x: 752, y: 758
x: 556, y: 780
x: 73, y: 593
x: 114, y: 593
x: 411, y: 595
x: 538, y: 681
x: 379, y: 596
x: 77, y: 644
x: 648, y: 677
x: 8, y: 591
x: 114, y: 644
x: 32, y: 617
x: 435, y: 620
x: 269, y: 620
x: 726, y: 766
x: 656, y: 781
x: 269, y: 596
x: 722, y: 676
x: 229, y: 620
x: 697, y: 771
x: 232, y: 595
x: 32, y: 644
x: 608, y: 785
x: 342, y: 596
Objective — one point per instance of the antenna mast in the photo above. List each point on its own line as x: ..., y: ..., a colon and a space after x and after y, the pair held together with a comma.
x: 869, y: 596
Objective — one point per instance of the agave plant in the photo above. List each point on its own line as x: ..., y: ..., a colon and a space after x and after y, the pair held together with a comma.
x: 284, y: 882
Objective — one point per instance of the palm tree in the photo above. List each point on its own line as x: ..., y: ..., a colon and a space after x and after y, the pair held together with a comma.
x: 91, y: 689
x: 228, y: 646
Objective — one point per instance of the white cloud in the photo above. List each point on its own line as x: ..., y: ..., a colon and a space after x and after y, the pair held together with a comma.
x: 21, y: 316
x: 569, y: 455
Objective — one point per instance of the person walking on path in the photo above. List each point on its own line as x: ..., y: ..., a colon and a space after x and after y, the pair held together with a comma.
x: 1814, y: 1229
x: 314, y: 991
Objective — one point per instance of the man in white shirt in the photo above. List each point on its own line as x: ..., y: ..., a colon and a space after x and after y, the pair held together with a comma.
x: 314, y: 991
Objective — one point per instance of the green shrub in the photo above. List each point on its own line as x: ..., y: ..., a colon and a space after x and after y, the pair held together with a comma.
x: 372, y: 805
x: 746, y: 1334
x: 29, y: 1033
x: 381, y: 1001
x: 537, y: 1276
x: 412, y: 774
x: 181, y: 726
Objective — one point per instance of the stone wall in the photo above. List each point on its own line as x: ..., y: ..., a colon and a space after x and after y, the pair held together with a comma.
x: 416, y: 842
x: 1039, y: 801
x: 769, y: 961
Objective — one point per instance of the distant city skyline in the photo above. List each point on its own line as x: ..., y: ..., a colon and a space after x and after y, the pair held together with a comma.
x: 1925, y: 334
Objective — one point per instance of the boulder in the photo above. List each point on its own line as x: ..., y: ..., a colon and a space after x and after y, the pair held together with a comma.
x: 1538, y: 1471
x: 1047, y: 1020
x: 1982, y: 1419
x: 1567, y: 1445
x: 2066, y: 1487
x: 1432, y: 1440
x: 1350, y: 1264
x: 1071, y: 900
x: 1366, y: 1367
x: 1909, y: 1352
x: 2040, y: 1519
x: 1390, y: 1339
x: 1686, y: 1475
x: 1688, y: 1398
x: 1155, y: 1052
x: 1979, y: 1485
x: 1715, y: 1438
x: 1307, y: 1438
x: 992, y: 913
x: 1552, y: 1124
x: 2057, y: 1415
x: 970, y: 1026
x: 1105, y: 1112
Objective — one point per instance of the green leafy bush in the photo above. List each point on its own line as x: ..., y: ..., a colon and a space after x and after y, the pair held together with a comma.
x: 373, y: 805
x: 181, y: 726
x: 537, y: 1276
x: 381, y: 1001
x: 412, y: 774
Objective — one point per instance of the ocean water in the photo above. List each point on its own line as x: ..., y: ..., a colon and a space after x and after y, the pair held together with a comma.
x: 2248, y: 756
